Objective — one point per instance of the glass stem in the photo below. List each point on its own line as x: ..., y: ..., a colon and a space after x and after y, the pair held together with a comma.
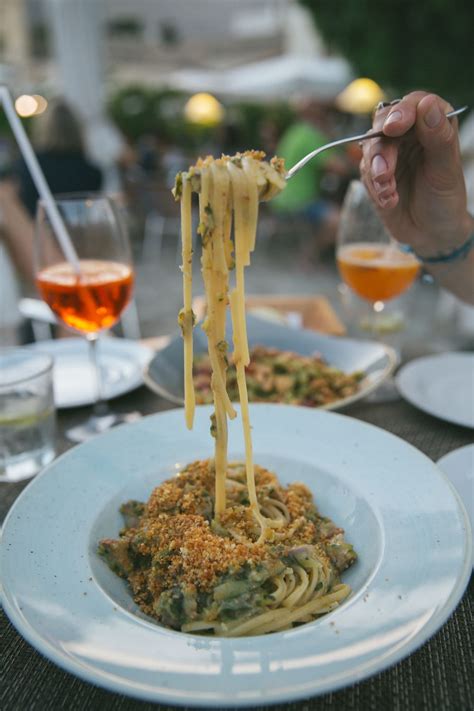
x: 100, y: 405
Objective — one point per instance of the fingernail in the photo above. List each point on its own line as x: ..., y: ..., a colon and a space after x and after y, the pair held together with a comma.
x: 393, y: 117
x: 433, y: 117
x: 378, y: 166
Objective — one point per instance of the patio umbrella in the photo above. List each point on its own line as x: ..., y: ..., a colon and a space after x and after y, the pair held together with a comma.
x: 285, y: 75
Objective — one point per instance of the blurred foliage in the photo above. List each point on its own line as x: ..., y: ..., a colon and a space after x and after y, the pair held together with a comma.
x: 251, y: 122
x: 124, y: 27
x: 139, y: 110
x: 403, y: 45
x: 5, y: 130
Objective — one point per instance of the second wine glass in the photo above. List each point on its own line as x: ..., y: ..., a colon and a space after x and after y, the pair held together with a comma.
x: 90, y: 300
x: 369, y: 260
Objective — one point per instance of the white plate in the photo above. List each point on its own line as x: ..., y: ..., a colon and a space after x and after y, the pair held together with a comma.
x: 121, y: 363
x: 441, y: 385
x: 458, y: 466
x: 400, y: 512
x: 164, y: 374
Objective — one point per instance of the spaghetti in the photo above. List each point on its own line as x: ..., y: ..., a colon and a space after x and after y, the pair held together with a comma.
x: 194, y: 572
x: 223, y: 548
x: 226, y: 186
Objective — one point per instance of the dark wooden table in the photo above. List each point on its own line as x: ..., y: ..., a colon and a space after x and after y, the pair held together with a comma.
x: 439, y: 676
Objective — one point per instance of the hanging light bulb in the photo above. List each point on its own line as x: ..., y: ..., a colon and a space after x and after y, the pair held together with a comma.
x: 360, y: 96
x: 204, y: 109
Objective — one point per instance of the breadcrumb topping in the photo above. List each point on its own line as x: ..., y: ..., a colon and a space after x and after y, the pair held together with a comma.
x: 174, y: 545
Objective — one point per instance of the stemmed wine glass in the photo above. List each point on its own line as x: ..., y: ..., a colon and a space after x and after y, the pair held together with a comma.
x: 91, y: 301
x: 369, y: 260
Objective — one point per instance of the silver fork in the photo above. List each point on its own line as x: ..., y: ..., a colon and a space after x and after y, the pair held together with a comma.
x: 351, y: 139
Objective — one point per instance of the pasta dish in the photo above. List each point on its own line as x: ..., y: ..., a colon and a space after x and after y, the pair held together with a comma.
x: 223, y: 547
x: 280, y: 376
x: 196, y: 573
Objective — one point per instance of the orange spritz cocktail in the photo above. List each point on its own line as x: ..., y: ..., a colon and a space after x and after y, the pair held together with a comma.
x: 91, y: 301
x: 376, y: 272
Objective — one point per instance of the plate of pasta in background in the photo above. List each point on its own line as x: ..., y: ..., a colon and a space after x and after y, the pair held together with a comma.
x: 391, y: 523
x: 288, y: 365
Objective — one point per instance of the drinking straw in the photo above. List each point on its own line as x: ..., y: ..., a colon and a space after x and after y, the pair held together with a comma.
x: 39, y: 180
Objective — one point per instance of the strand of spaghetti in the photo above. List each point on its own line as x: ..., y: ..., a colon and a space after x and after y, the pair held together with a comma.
x: 314, y: 580
x: 206, y: 229
x: 276, y: 619
x: 188, y: 317
x: 290, y: 580
x: 213, y: 352
x: 265, y: 524
x: 220, y: 186
x: 280, y: 592
x: 228, y: 243
x: 300, y: 589
x: 241, y: 354
x: 244, y: 408
x: 240, y: 192
x: 220, y: 190
x: 238, y: 179
x: 252, y: 187
x: 220, y: 455
x: 240, y: 310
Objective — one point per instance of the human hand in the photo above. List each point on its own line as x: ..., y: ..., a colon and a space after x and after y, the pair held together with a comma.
x: 416, y: 181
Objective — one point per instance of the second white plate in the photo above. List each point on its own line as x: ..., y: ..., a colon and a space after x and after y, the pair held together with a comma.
x: 458, y: 466
x: 441, y: 385
x: 121, y: 363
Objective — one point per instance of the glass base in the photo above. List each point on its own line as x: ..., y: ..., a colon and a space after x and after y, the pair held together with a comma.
x: 25, y: 466
x: 96, y: 425
x: 383, y: 323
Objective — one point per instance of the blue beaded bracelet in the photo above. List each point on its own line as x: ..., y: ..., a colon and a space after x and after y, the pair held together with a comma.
x: 458, y: 253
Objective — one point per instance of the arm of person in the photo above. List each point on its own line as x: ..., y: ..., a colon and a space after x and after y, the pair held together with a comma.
x: 414, y: 176
x: 16, y: 230
x: 457, y: 277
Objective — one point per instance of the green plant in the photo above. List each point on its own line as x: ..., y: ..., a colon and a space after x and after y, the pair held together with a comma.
x: 139, y: 110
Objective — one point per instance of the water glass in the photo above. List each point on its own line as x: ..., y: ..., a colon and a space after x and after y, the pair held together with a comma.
x: 27, y: 413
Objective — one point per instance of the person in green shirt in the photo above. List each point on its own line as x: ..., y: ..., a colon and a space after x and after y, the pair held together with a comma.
x: 302, y: 195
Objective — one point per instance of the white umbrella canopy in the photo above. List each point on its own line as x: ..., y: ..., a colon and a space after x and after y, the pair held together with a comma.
x: 284, y: 76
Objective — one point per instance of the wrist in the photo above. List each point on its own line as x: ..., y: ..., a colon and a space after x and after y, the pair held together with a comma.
x: 456, y: 248
x: 445, y: 242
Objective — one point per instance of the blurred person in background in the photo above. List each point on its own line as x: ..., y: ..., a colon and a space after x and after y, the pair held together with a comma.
x: 302, y: 196
x: 16, y: 261
x: 418, y: 187
x: 60, y: 150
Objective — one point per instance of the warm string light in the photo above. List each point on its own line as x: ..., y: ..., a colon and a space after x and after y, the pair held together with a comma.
x: 360, y: 96
x: 28, y: 105
x: 204, y: 109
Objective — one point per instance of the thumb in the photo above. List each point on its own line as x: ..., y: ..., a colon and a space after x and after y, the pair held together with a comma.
x: 438, y: 136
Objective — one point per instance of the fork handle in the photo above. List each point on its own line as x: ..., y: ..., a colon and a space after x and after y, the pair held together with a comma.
x: 351, y: 139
